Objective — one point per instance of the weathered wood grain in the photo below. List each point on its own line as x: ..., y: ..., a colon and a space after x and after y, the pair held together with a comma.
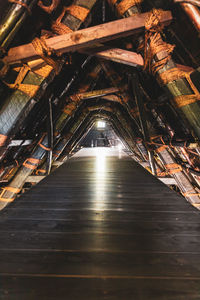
x: 86, y: 37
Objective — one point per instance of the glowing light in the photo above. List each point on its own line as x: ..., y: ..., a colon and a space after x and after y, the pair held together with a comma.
x: 119, y: 147
x: 101, y: 124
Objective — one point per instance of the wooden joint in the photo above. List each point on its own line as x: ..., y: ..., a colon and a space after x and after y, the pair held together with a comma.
x: 40, y: 171
x: 44, y: 147
x: 191, y: 193
x: 78, y: 12
x: 173, y: 168
x: 12, y: 189
x: 161, y: 149
x: 124, y: 5
x: 184, y: 100
x: 9, y: 189
x: 31, y: 163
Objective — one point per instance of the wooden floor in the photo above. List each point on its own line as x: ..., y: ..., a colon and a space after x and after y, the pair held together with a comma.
x: 100, y: 228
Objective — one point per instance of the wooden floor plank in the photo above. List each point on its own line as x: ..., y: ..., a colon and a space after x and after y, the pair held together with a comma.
x: 98, y: 214
x: 98, y: 288
x: 89, y: 241
x: 100, y: 231
x: 109, y: 206
x: 125, y: 228
x: 101, y: 263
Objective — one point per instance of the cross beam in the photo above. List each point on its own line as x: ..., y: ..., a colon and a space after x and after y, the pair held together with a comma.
x: 119, y: 55
x: 86, y: 37
x: 94, y: 94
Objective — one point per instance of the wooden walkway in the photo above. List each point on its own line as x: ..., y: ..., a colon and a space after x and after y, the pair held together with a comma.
x: 100, y: 228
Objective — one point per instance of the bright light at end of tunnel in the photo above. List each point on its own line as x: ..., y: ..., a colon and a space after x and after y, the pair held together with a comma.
x: 101, y: 124
x: 120, y: 146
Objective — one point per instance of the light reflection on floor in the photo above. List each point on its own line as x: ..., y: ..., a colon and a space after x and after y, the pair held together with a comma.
x: 101, y: 151
x: 101, y: 171
x: 100, y: 186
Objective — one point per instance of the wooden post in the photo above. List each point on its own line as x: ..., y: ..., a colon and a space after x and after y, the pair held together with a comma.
x: 31, y: 87
x: 13, y: 21
x: 192, y: 10
x: 143, y: 121
x: 177, y: 87
x: 43, y: 76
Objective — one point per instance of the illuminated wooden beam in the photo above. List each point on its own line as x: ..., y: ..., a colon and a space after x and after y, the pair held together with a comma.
x: 118, y: 55
x: 34, y: 178
x: 86, y: 37
x: 94, y: 94
x: 168, y: 180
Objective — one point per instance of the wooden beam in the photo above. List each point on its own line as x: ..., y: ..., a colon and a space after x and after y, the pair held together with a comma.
x: 118, y: 55
x: 57, y: 164
x: 168, y: 180
x: 121, y: 56
x: 34, y: 178
x: 94, y: 94
x: 113, y: 98
x: 193, y: 2
x: 86, y: 37
x: 17, y: 143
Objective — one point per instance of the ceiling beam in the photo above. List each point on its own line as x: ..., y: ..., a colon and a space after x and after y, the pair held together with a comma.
x: 93, y: 94
x: 86, y: 37
x: 118, y: 55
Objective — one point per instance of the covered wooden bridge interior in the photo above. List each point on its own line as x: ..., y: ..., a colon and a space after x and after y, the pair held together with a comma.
x: 101, y: 222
